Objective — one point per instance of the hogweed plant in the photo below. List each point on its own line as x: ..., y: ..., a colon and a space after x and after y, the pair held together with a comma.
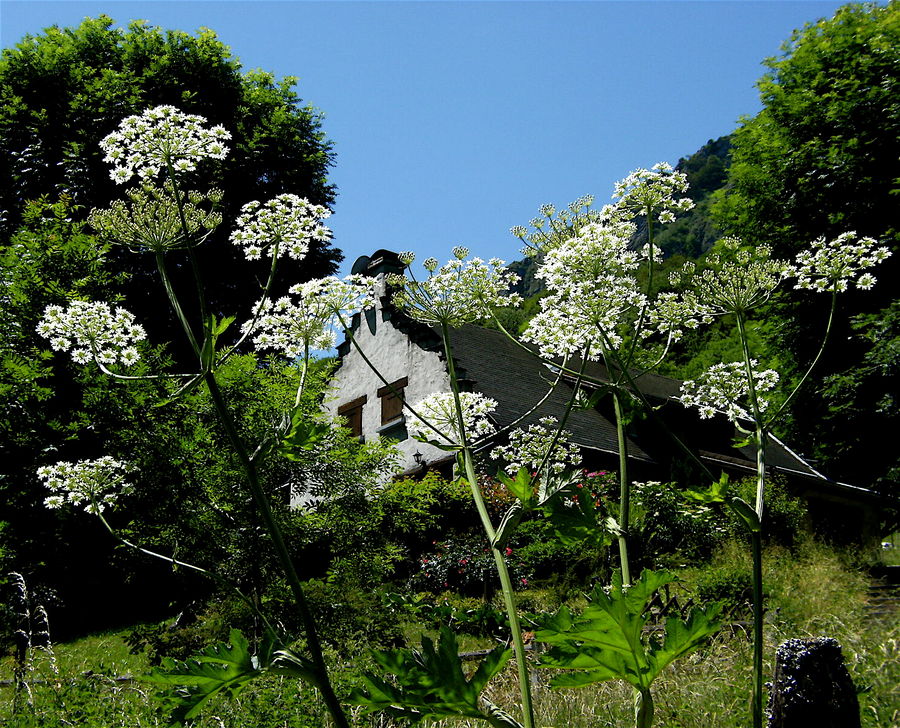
x: 164, y: 142
x: 597, y: 309
x: 538, y: 456
x: 736, y: 279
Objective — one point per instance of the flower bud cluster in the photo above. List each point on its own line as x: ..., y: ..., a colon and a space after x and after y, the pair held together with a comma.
x: 95, y: 484
x: 457, y: 293
x: 554, y: 227
x: 283, y: 225
x: 151, y: 220
x: 92, y: 331
x: 734, y: 278
x: 833, y: 265
x: 160, y: 138
x: 653, y: 191
x: 724, y: 388
x: 530, y: 448
x: 439, y: 411
x: 308, y: 322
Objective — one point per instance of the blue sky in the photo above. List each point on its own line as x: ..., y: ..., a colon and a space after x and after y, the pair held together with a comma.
x: 453, y: 121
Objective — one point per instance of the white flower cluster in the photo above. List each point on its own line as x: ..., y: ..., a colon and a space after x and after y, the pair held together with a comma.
x: 457, y: 293
x: 161, y: 137
x: 833, y: 265
x: 653, y: 191
x: 92, y: 331
x: 734, y: 278
x: 439, y: 411
x: 591, y: 290
x: 296, y: 326
x: 724, y: 388
x: 95, y: 484
x: 530, y: 447
x: 671, y: 314
x: 285, y: 224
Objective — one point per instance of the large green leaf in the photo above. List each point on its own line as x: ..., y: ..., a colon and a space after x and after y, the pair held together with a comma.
x: 576, y: 515
x: 683, y: 637
x: 521, y: 486
x: 430, y: 683
x: 220, y: 669
x: 606, y: 641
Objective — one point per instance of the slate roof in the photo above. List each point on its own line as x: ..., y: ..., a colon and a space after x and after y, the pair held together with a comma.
x: 492, y: 364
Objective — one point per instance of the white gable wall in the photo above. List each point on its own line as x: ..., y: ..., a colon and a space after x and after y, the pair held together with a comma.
x: 395, y: 357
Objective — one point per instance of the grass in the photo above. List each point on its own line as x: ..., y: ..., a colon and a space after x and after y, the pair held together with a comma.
x: 811, y: 592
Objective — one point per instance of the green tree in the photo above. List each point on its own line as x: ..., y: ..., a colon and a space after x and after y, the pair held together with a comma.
x: 821, y: 158
x: 63, y: 91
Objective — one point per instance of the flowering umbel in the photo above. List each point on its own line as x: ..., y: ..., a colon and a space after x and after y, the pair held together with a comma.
x: 284, y: 225
x: 833, y: 265
x: 459, y: 292
x: 724, y: 388
x: 294, y: 326
x: 653, y: 192
x: 94, y: 484
x: 161, y: 138
x: 92, y: 331
x: 438, y: 411
x: 531, y: 448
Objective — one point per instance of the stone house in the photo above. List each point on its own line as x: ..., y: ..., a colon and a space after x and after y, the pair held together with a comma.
x: 412, y: 364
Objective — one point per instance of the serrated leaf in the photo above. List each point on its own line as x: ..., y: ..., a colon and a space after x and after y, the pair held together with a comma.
x: 430, y: 683
x: 606, y: 641
x: 445, y: 446
x: 302, y: 434
x: 508, y: 525
x: 683, y: 637
x: 220, y: 669
x: 521, y: 486
x: 576, y: 517
x: 716, y: 494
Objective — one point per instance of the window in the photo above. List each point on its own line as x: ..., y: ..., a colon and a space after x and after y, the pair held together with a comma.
x: 392, y: 400
x: 352, y: 413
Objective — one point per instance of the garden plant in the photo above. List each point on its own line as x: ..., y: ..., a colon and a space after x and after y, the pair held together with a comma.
x: 602, y: 305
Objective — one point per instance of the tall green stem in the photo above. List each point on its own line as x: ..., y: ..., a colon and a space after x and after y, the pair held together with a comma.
x: 643, y: 708
x: 624, y: 488
x: 756, y: 537
x: 499, y: 559
x: 756, y: 547
x: 268, y: 517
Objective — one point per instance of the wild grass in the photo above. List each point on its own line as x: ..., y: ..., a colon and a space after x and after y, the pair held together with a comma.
x: 812, y: 591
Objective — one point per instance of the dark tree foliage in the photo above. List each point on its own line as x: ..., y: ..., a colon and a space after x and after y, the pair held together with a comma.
x: 189, y: 499
x: 63, y: 91
x: 53, y: 410
x: 694, y: 232
x: 822, y: 158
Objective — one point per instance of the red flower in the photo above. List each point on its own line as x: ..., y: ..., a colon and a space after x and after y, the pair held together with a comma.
x: 508, y: 551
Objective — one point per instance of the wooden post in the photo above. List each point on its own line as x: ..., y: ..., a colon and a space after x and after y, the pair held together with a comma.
x: 812, y: 687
